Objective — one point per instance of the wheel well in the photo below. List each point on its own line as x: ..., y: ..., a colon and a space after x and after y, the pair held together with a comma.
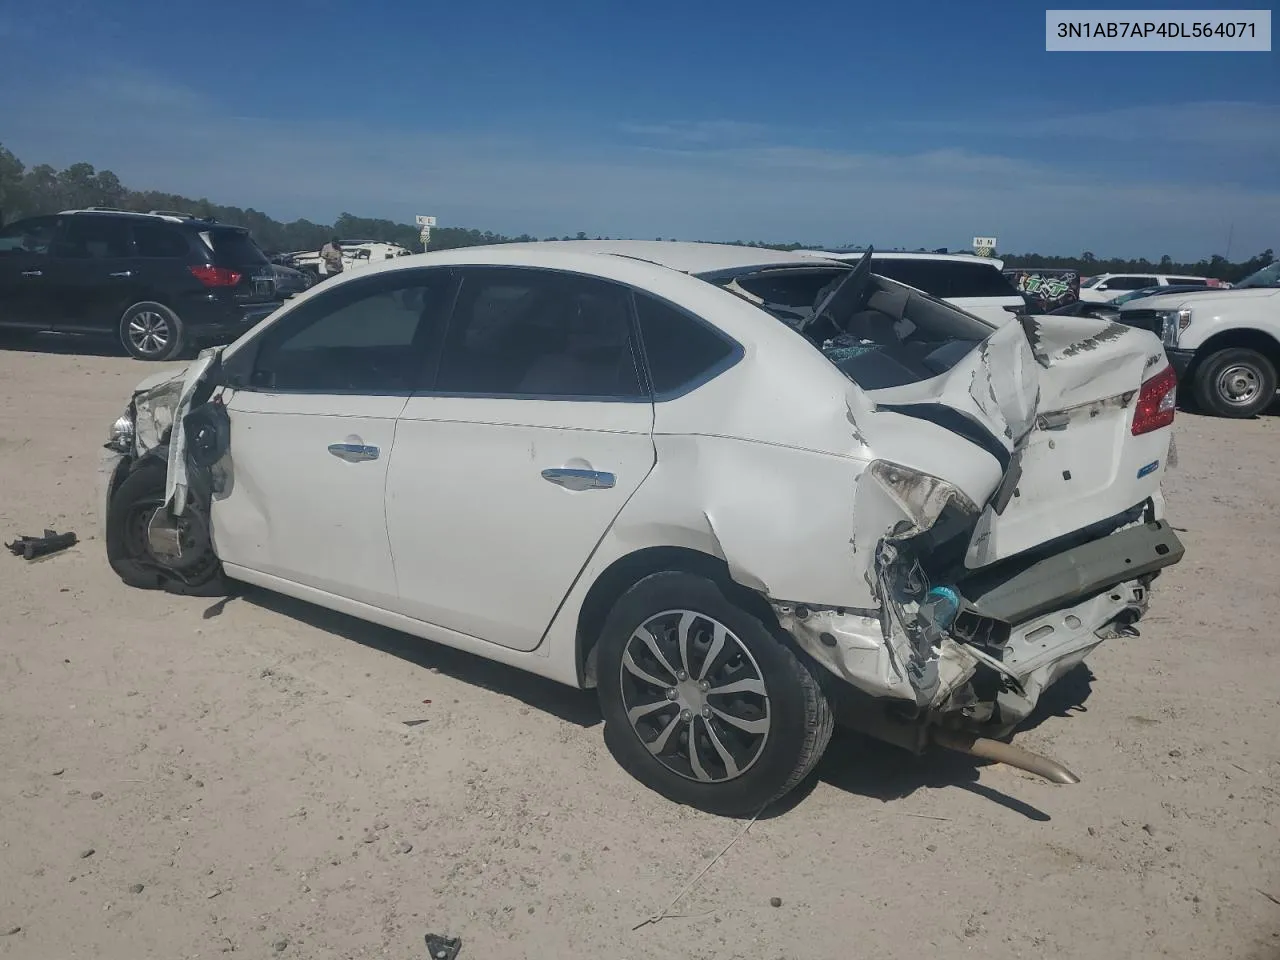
x: 625, y: 572
x: 1264, y: 343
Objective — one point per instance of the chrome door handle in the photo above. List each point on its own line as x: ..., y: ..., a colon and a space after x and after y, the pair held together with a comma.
x: 33, y: 273
x: 121, y: 274
x: 353, y: 452
x: 574, y: 479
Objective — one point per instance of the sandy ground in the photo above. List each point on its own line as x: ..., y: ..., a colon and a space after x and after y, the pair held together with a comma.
x: 180, y: 779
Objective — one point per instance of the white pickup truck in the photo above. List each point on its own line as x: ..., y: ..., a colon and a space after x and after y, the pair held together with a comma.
x: 1225, y: 344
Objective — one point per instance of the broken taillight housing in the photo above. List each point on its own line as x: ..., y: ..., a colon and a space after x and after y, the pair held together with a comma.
x: 1157, y: 402
x: 216, y: 276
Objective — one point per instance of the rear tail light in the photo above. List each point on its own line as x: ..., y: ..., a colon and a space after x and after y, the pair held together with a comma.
x: 1157, y: 402
x: 216, y: 276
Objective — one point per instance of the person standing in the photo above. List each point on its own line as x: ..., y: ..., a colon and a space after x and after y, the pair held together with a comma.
x: 331, y: 254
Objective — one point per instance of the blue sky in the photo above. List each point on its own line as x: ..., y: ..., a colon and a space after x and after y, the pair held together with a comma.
x: 902, y: 124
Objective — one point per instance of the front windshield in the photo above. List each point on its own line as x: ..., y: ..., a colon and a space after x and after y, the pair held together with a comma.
x: 890, y: 336
x: 1268, y: 276
x: 1091, y: 283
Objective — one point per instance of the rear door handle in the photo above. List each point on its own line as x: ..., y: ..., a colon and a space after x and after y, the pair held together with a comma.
x: 33, y: 273
x: 121, y: 274
x: 353, y: 452
x: 575, y: 479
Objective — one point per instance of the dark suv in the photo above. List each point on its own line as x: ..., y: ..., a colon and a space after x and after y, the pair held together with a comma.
x: 163, y: 284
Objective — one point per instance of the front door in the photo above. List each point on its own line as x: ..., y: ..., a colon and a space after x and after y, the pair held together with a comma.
x: 507, y: 474
x: 92, y: 273
x: 313, y: 431
x: 25, y: 282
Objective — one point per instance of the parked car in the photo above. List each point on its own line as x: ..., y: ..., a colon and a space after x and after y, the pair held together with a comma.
x: 161, y: 284
x: 1106, y: 286
x: 738, y: 492
x: 975, y: 284
x: 1224, y: 343
x: 1110, y: 310
x: 290, y: 282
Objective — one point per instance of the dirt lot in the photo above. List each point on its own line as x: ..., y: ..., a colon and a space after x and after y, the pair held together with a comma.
x: 182, y: 779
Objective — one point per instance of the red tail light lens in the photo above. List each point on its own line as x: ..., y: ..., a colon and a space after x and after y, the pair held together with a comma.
x: 1157, y: 402
x: 216, y: 276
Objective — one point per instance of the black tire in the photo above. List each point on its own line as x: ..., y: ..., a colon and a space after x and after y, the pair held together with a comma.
x: 769, y: 765
x: 136, y: 499
x: 1235, y: 382
x: 151, y: 331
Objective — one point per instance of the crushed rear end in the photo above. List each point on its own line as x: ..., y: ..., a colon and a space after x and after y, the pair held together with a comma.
x: 987, y: 578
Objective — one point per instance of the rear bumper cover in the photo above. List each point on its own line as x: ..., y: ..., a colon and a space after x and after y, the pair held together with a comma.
x: 1057, y: 611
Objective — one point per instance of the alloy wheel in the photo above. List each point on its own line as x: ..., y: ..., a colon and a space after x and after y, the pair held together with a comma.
x: 695, y: 696
x: 149, y: 332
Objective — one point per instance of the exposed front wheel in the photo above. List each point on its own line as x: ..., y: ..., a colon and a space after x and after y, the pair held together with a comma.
x: 702, y: 702
x: 151, y: 331
x: 150, y: 549
x: 1235, y: 382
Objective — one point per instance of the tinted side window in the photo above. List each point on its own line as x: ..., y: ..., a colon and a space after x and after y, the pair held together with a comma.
x: 681, y: 350
x: 1130, y: 283
x: 94, y: 238
x: 159, y: 240
x: 539, y: 333
x: 973, y: 280
x: 28, y: 237
x: 375, y: 336
x: 914, y: 273
x: 1189, y: 281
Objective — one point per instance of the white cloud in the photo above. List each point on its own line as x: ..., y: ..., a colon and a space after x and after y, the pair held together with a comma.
x: 717, y: 179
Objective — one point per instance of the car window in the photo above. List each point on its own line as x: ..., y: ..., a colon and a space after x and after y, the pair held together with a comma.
x: 1130, y: 283
x: 159, y: 240
x: 28, y: 237
x: 540, y: 333
x: 234, y: 248
x: 1189, y: 281
x: 681, y: 350
x: 375, y: 335
x: 94, y: 238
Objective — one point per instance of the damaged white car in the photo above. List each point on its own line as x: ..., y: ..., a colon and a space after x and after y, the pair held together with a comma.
x: 743, y: 494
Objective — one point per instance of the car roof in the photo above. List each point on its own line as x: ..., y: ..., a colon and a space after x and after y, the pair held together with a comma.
x: 993, y: 262
x: 205, y: 223
x: 684, y: 256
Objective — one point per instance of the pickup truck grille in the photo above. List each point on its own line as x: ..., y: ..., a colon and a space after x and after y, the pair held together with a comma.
x: 1143, y: 320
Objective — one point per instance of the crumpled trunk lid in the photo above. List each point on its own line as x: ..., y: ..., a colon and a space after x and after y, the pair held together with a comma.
x: 1053, y: 399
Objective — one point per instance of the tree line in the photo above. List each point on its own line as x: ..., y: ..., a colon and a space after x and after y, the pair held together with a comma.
x: 42, y: 189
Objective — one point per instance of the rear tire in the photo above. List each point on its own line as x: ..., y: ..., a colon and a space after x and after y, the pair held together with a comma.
x: 151, y: 331
x: 729, y: 753
x: 1236, y: 382
x: 135, y: 501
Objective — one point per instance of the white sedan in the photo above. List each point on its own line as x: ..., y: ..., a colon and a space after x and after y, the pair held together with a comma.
x: 741, y: 493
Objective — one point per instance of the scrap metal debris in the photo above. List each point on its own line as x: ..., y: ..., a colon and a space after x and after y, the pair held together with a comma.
x: 443, y: 948
x: 29, y: 548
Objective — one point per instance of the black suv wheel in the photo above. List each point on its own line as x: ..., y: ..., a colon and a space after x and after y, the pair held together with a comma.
x: 151, y: 331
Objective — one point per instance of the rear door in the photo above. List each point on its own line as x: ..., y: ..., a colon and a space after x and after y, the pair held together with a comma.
x: 313, y: 429
x: 509, y: 471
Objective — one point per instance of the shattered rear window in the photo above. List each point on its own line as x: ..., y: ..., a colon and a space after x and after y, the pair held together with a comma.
x: 894, y: 336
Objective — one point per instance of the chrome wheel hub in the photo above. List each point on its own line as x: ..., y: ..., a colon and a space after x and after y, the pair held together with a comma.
x: 695, y: 696
x: 149, y: 332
